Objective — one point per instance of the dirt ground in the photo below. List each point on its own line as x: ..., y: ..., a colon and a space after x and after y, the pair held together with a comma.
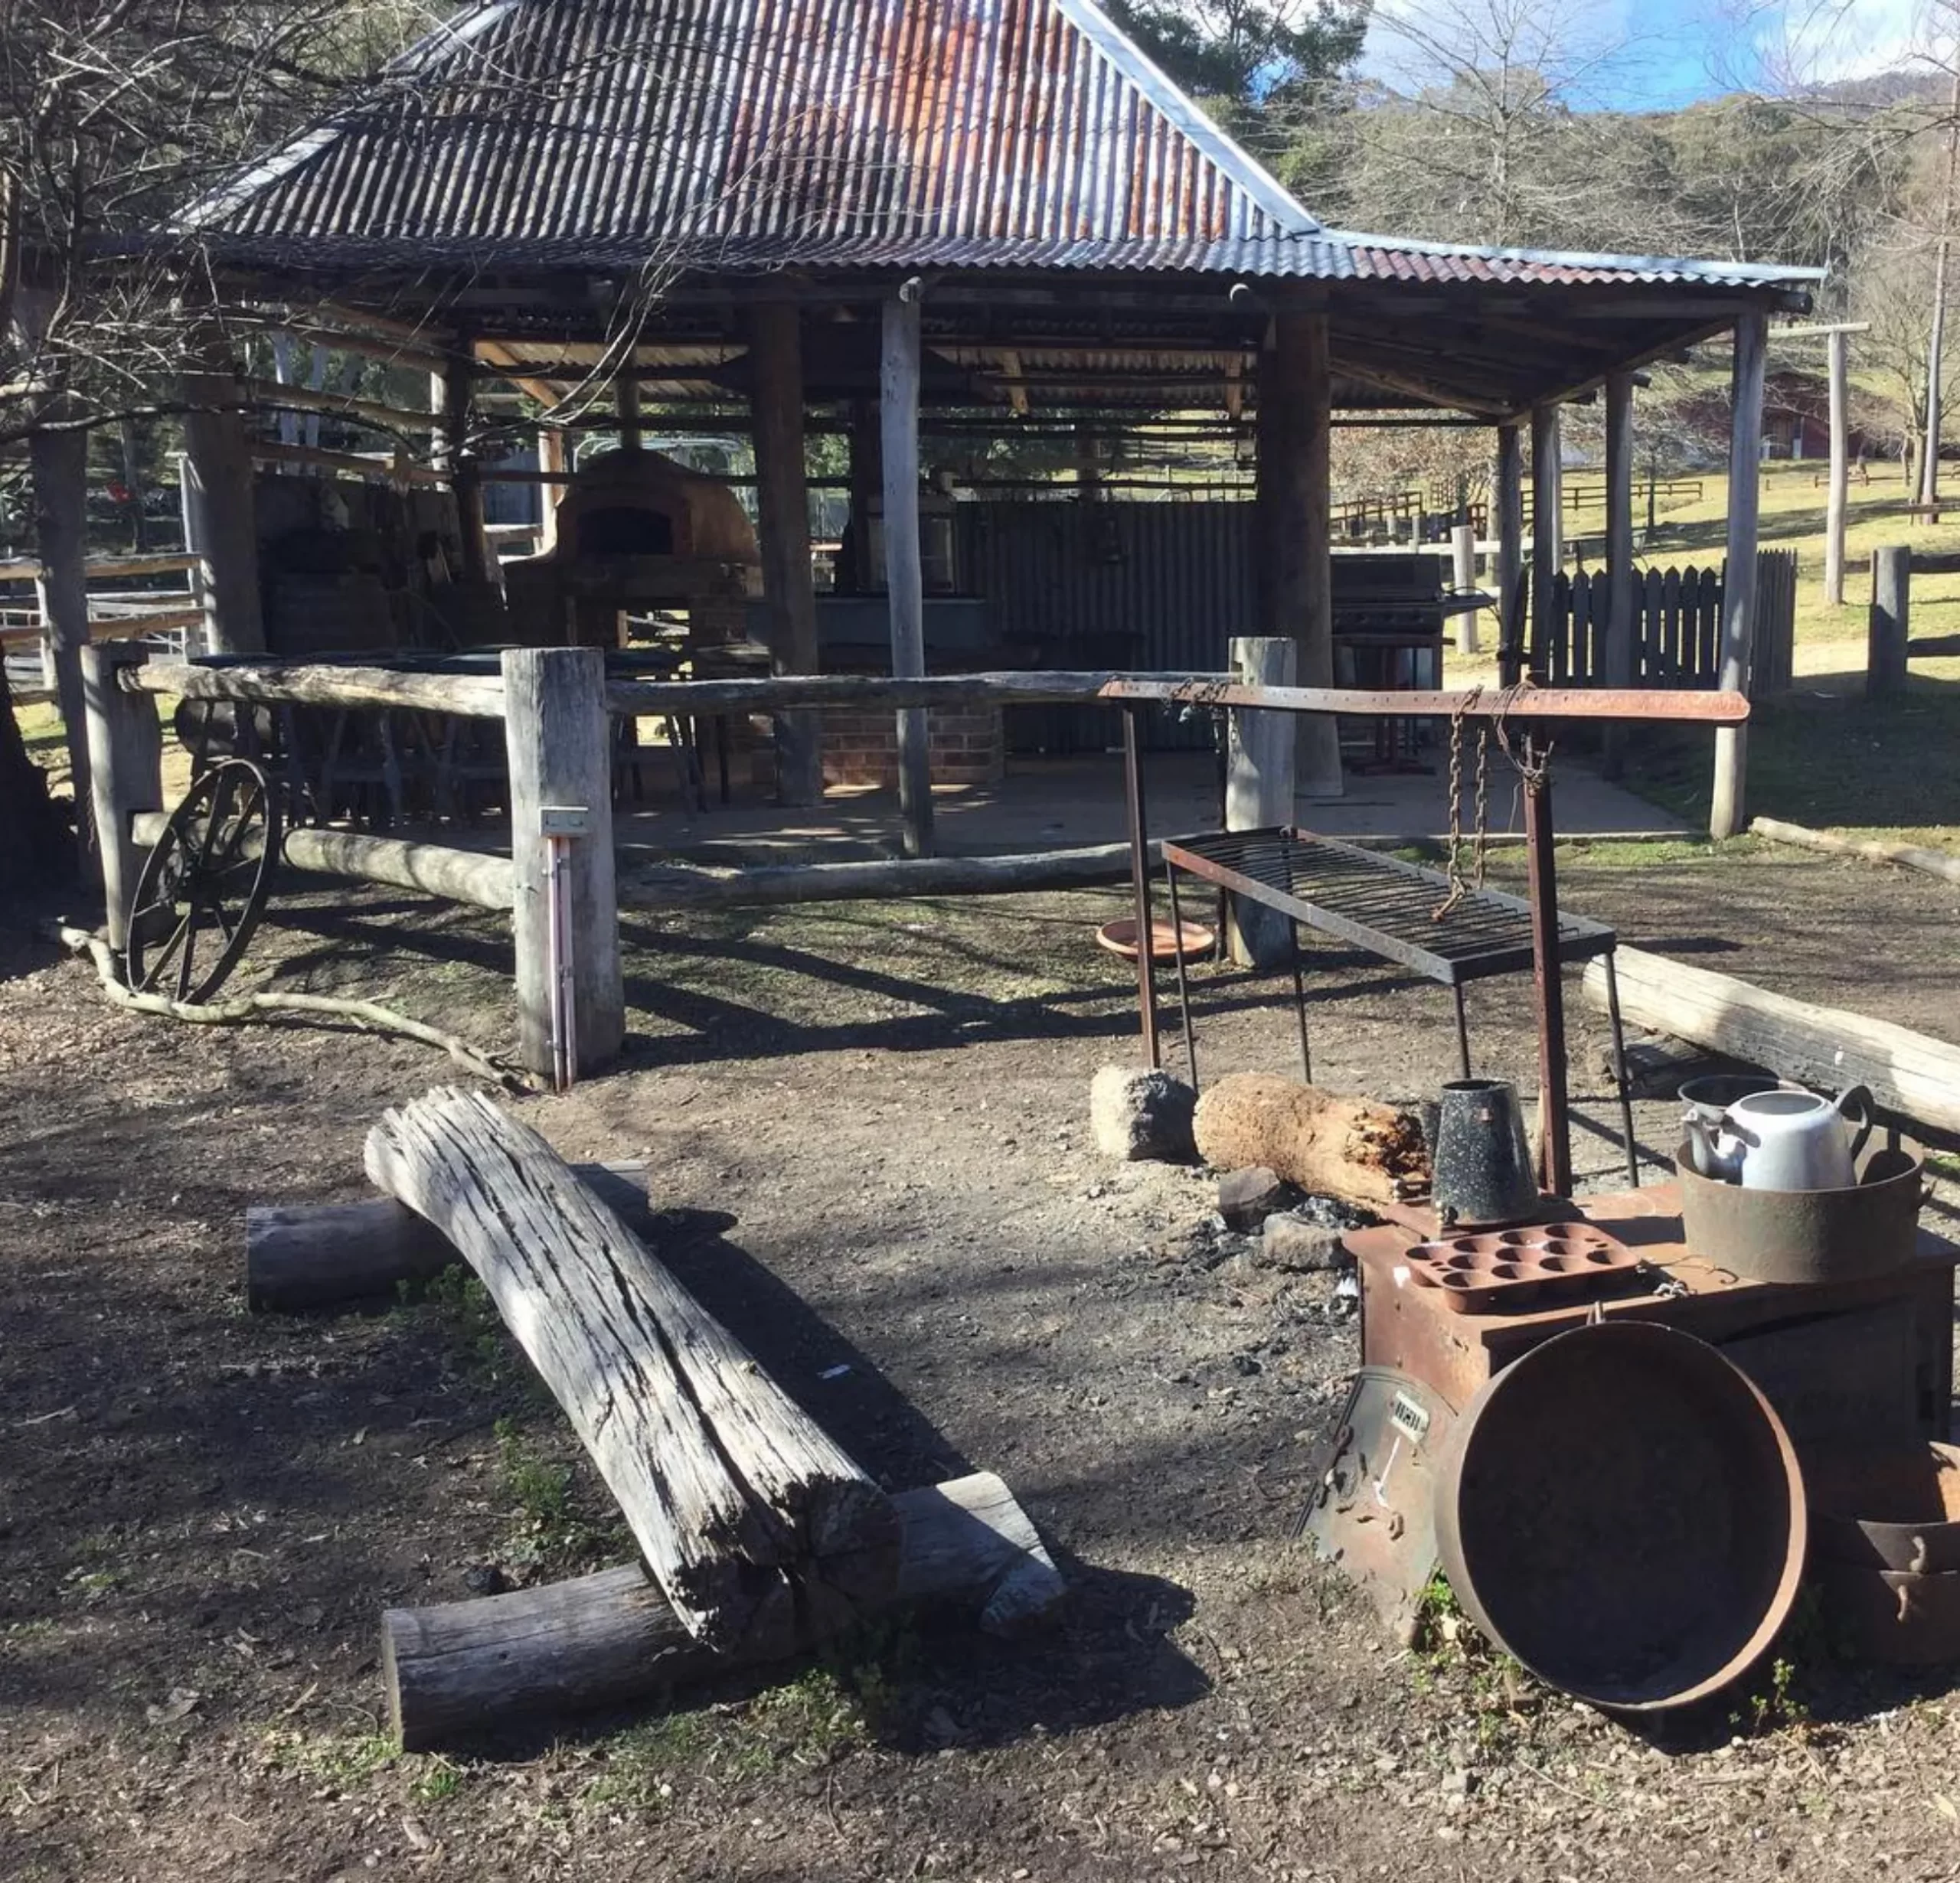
x: 867, y: 1132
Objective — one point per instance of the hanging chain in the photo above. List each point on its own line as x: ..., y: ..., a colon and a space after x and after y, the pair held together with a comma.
x: 1459, y: 886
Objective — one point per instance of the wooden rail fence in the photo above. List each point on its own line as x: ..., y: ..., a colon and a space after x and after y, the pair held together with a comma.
x: 557, y: 706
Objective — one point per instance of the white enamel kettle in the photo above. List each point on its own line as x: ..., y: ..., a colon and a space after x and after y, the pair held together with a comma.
x: 1784, y: 1140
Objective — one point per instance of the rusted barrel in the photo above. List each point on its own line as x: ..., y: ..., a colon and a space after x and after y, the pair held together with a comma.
x: 1622, y: 1509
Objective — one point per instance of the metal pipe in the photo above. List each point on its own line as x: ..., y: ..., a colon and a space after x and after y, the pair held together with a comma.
x: 1554, y: 1123
x: 1619, y: 1073
x: 1184, y: 982
x: 1146, y: 980
x: 1300, y: 1006
x: 1462, y: 1033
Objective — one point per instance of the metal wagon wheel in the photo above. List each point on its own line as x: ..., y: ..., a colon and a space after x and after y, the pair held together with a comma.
x: 206, y: 879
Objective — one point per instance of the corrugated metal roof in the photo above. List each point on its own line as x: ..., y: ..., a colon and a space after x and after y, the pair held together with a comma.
x: 753, y: 135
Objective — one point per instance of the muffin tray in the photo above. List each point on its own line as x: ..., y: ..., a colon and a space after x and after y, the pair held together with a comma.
x: 1506, y: 1272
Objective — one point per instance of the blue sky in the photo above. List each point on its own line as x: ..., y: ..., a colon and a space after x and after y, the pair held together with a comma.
x: 1663, y: 54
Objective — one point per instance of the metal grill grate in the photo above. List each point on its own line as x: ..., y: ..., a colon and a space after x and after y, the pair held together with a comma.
x: 1380, y: 903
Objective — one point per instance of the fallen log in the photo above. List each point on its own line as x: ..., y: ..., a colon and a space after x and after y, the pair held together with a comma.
x: 1367, y: 1154
x: 1911, y: 1075
x: 305, y: 1255
x: 1935, y: 862
x: 609, y: 1639
x: 751, y: 1518
x: 679, y: 888
x: 476, y: 877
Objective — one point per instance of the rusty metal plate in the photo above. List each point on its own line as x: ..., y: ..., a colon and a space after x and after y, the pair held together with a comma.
x: 1372, y: 1510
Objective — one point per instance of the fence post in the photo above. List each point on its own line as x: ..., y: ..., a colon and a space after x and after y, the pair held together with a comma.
x: 125, y: 773
x: 1891, y: 597
x: 1259, y: 787
x: 1463, y: 553
x: 559, y: 739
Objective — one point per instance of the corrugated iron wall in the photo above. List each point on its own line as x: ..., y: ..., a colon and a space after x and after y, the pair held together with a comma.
x: 1149, y: 587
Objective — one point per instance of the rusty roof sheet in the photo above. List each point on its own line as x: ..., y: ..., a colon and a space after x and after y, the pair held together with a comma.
x: 752, y: 134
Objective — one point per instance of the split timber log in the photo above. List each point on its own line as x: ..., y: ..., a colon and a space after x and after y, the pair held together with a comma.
x: 609, y: 1640
x: 302, y: 1255
x: 477, y: 877
x: 675, y: 888
x: 749, y: 1518
x: 1935, y: 862
x: 1910, y: 1076
x: 474, y: 696
x: 1367, y: 1154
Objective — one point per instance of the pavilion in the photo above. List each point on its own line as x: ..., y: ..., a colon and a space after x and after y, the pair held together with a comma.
x: 866, y: 217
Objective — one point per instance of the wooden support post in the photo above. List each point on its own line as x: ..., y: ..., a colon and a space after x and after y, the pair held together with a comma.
x: 626, y: 396
x: 1841, y: 470
x: 863, y: 571
x: 1259, y: 789
x: 748, y: 1514
x: 1621, y: 628
x: 1463, y: 557
x: 1295, y: 522
x: 551, y: 461
x: 465, y: 477
x: 58, y: 463
x: 1508, y: 504
x: 782, y: 503
x: 905, y: 580
x: 1547, y: 536
x: 559, y: 740
x: 1728, y: 810
x: 1891, y: 602
x: 609, y: 1639
x: 220, y: 524
x: 125, y: 773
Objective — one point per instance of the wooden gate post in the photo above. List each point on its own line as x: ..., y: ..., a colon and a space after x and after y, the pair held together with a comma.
x: 905, y: 583
x: 1259, y: 788
x: 1463, y: 557
x: 1891, y: 597
x: 125, y: 773
x: 559, y: 739
x: 1728, y: 814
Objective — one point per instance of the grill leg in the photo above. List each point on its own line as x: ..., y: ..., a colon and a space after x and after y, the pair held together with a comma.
x: 1146, y: 976
x: 1462, y: 1034
x: 1184, y: 987
x: 1619, y: 1072
x: 1300, y: 1005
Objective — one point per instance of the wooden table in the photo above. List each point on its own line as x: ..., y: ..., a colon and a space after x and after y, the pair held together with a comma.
x: 1871, y: 1360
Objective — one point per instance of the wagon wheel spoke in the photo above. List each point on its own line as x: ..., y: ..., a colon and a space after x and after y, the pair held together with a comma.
x: 189, y: 962
x: 165, y: 954
x: 222, y: 793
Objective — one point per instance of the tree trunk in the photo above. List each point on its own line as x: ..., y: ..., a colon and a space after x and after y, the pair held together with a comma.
x: 608, y: 1639
x: 37, y: 845
x: 751, y: 1518
x: 1366, y: 1154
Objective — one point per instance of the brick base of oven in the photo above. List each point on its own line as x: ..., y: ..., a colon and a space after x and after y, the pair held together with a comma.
x: 860, y: 747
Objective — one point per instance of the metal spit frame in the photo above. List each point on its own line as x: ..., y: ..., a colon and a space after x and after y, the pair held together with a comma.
x: 1525, y: 703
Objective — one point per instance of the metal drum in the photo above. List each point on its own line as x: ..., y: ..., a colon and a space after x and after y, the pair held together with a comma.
x: 1622, y: 1510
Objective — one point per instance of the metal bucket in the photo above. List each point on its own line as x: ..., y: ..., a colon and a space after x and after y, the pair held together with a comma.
x: 1807, y: 1235
x: 1622, y: 1510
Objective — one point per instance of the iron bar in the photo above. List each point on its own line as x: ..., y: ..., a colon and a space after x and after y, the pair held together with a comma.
x: 1463, y: 1029
x: 1619, y: 1072
x: 1146, y: 980
x: 1685, y: 705
x: 1183, y: 984
x: 1554, y: 1125
x: 1300, y: 1004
